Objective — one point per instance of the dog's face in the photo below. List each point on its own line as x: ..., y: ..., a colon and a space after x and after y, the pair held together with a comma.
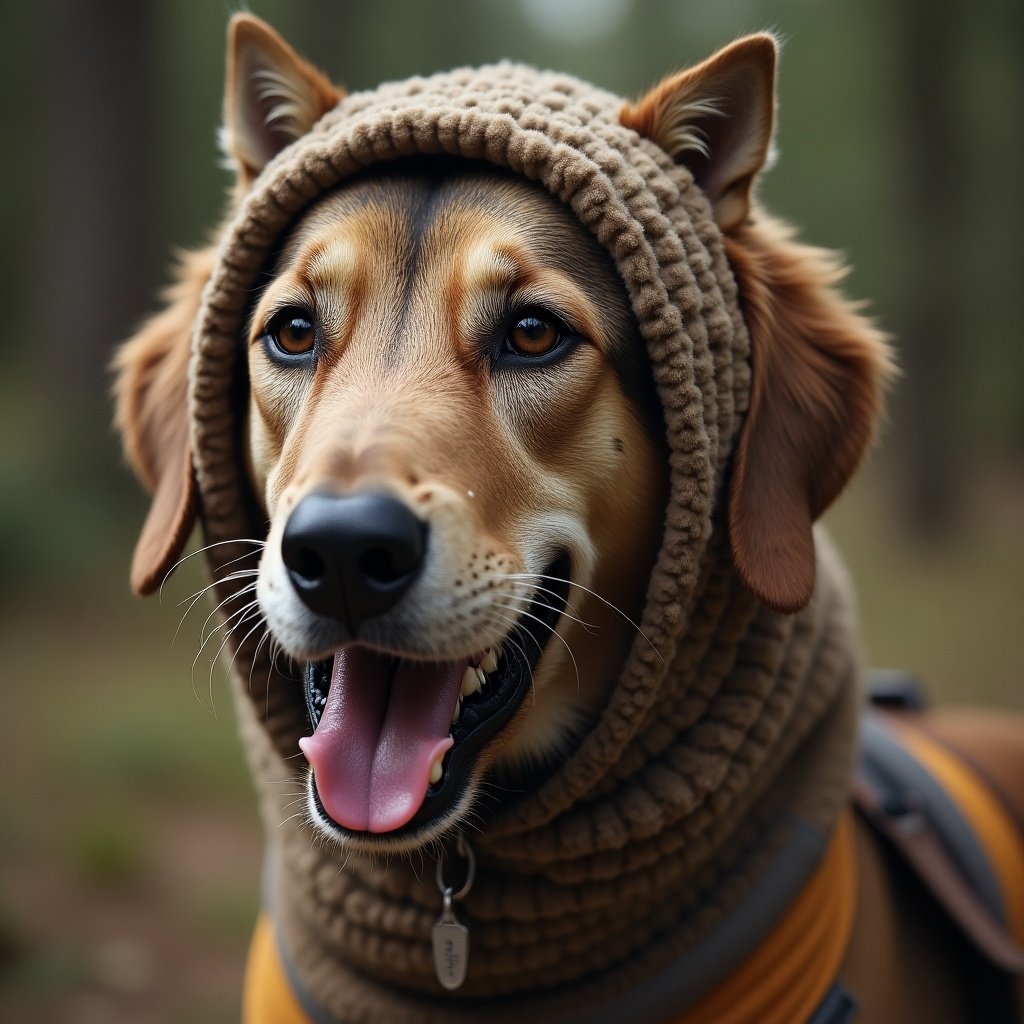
x: 453, y: 429
x: 453, y: 433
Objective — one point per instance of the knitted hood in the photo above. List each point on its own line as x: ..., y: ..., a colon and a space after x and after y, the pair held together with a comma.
x: 731, y: 725
x: 658, y: 227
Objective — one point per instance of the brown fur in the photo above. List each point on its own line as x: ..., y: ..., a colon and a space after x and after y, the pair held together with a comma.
x: 152, y: 416
x: 819, y: 369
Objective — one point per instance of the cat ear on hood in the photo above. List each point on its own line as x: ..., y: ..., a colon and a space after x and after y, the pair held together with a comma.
x: 717, y: 120
x: 271, y: 97
x: 819, y: 367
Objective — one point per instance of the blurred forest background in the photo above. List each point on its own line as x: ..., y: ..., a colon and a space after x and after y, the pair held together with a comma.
x: 129, y: 849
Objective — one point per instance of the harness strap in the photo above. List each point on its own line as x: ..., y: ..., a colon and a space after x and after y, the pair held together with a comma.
x: 950, y: 829
x: 980, y: 804
x: 268, y: 997
x: 790, y: 975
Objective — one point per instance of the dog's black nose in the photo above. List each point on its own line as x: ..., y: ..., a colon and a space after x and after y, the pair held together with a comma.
x: 352, y: 557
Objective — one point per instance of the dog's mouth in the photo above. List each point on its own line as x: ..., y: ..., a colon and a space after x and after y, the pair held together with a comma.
x: 395, y: 739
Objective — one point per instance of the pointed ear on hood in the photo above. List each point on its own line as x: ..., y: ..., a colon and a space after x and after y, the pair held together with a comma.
x: 272, y: 96
x: 818, y: 365
x: 716, y: 119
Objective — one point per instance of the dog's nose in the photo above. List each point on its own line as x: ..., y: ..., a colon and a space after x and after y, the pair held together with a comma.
x: 352, y: 557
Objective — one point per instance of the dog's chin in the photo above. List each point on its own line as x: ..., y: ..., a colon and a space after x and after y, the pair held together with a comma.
x: 440, y: 804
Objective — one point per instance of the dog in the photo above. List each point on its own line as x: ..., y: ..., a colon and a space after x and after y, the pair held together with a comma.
x: 531, y: 486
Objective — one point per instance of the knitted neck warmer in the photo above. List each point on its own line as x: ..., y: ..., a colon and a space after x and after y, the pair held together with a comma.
x: 732, y: 727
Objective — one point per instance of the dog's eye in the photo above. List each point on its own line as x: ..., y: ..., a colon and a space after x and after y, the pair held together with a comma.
x: 292, y: 332
x: 534, y: 336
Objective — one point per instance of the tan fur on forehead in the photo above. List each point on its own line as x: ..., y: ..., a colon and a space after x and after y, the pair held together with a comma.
x: 408, y: 272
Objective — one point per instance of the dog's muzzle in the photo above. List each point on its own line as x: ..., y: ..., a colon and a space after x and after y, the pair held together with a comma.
x: 352, y: 557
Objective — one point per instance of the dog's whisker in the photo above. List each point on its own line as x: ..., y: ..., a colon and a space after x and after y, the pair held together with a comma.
x: 265, y: 639
x: 534, y: 589
x: 516, y: 631
x: 227, y: 637
x: 236, y: 596
x: 276, y: 651
x: 528, y: 601
x: 241, y: 614
x: 260, y: 623
x: 228, y: 619
x: 553, y: 632
x: 205, y: 633
x: 238, y: 574
x: 209, y: 547
x: 593, y: 593
x: 296, y: 787
x: 292, y: 817
x: 243, y: 611
x: 195, y: 598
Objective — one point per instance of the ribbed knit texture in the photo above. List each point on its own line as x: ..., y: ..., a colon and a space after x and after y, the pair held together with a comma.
x: 727, y: 727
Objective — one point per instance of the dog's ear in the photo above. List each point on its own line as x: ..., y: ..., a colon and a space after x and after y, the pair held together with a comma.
x: 272, y: 96
x: 819, y: 371
x: 716, y: 119
x: 151, y: 390
x: 818, y: 366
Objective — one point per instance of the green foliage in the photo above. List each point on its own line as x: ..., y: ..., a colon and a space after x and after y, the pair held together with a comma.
x: 46, y: 972
x: 107, y: 850
x: 225, y: 913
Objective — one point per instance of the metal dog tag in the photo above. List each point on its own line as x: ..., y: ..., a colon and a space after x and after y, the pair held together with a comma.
x: 451, y: 946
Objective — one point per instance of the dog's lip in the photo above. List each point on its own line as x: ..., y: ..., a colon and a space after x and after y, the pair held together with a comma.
x: 482, y: 716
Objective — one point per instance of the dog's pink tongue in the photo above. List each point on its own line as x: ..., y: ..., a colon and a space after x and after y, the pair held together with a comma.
x: 384, y: 724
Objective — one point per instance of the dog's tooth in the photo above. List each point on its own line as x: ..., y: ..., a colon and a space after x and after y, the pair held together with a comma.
x: 436, y: 771
x: 470, y: 682
x: 481, y: 675
x: 458, y: 711
x: 490, y: 661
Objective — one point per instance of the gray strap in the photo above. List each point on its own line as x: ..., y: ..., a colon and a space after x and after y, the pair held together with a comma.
x: 838, y: 1007
x: 313, y: 1010
x: 906, y: 785
x: 667, y: 994
x: 664, y: 996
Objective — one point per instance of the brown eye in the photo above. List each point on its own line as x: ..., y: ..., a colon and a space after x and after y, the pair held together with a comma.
x: 292, y: 333
x: 534, y: 336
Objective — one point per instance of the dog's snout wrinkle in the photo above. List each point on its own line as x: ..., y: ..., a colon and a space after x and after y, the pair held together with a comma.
x: 351, y: 557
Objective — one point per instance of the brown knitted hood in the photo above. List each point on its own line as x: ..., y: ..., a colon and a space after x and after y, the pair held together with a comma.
x: 659, y: 229
x: 731, y: 724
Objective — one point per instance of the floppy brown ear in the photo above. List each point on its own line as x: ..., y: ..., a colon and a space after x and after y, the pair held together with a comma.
x: 818, y: 366
x: 716, y: 119
x: 272, y: 96
x: 151, y: 390
x: 819, y: 371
